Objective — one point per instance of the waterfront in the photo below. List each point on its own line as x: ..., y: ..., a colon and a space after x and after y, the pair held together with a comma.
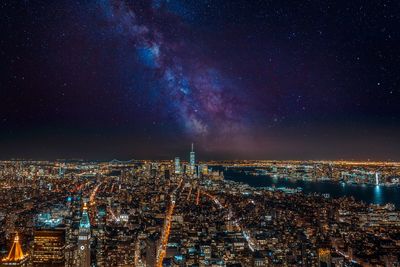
x: 366, y: 193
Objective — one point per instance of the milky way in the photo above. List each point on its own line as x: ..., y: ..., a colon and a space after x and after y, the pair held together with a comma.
x: 240, y: 78
x: 200, y: 98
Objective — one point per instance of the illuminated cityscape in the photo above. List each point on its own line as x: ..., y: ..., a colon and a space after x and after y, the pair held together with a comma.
x: 200, y: 133
x: 150, y: 213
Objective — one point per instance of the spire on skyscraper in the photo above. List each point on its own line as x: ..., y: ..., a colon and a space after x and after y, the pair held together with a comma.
x: 16, y: 254
x: 192, y: 161
x: 85, y: 222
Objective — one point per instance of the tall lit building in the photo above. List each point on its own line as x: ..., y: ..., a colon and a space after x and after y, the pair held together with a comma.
x: 204, y: 169
x: 61, y: 171
x: 151, y: 250
x: 15, y: 256
x: 84, y: 239
x: 324, y: 257
x: 177, y: 165
x: 192, y: 161
x: 49, y: 247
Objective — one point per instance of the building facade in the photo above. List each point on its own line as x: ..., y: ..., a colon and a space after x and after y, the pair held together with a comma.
x: 84, y: 236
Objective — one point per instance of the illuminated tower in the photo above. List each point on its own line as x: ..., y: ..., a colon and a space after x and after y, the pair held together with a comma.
x: 61, y: 171
x: 84, y: 239
x: 15, y: 256
x: 177, y: 165
x: 192, y: 161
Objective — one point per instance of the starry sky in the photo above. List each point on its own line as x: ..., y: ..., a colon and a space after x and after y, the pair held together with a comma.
x: 241, y: 79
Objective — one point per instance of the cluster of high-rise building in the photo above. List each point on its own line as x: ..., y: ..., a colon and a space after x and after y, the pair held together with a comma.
x: 181, y: 213
x: 190, y: 168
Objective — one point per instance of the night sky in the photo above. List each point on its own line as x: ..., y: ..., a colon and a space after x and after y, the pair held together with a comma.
x: 241, y: 79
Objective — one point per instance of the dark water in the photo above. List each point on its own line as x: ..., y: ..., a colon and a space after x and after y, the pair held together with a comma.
x: 367, y: 193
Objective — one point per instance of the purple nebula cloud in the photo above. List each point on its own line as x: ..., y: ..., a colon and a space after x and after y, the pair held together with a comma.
x: 201, y: 98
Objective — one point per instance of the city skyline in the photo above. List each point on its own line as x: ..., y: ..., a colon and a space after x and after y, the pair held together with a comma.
x: 243, y: 80
x: 227, y: 214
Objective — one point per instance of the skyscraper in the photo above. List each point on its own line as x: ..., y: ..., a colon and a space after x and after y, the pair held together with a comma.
x: 177, y: 165
x: 84, y: 239
x: 192, y: 161
x: 324, y: 257
x: 49, y: 247
x: 151, y: 250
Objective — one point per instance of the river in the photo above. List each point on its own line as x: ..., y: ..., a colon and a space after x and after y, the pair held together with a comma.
x: 366, y: 193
